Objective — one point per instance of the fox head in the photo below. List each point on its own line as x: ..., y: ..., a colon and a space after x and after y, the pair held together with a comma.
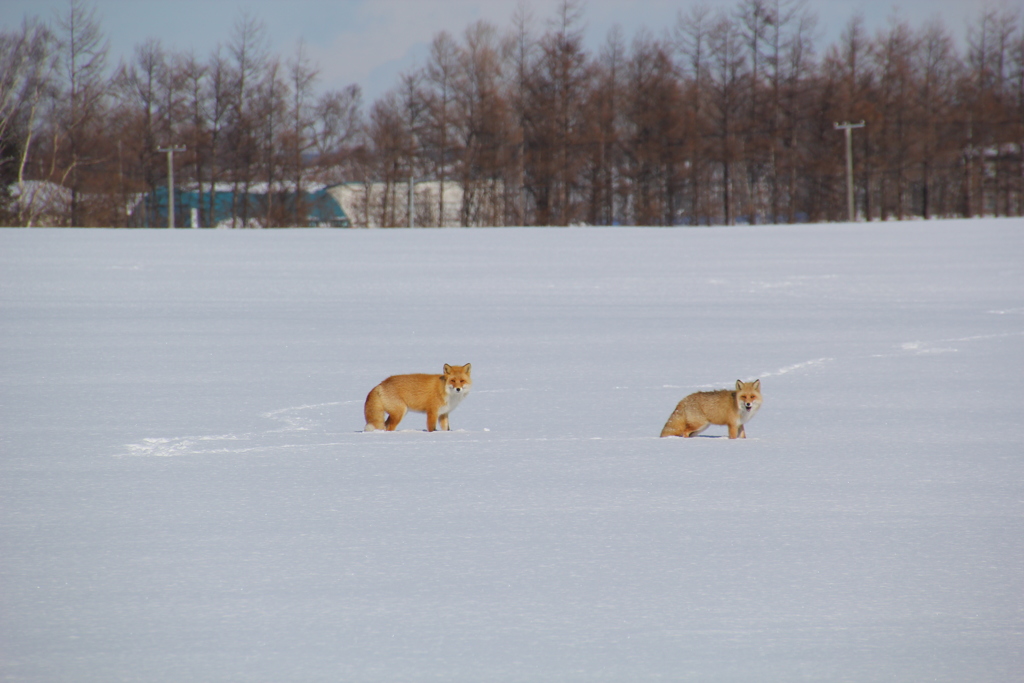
x: 456, y: 378
x: 748, y: 396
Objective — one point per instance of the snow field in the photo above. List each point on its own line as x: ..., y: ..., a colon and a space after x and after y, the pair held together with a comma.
x: 186, y: 492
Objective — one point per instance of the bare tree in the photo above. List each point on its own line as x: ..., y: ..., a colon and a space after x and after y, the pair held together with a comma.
x: 441, y: 75
x: 194, y: 75
x: 893, y: 58
x: 390, y: 137
x: 137, y: 85
x: 338, y: 126
x: 728, y: 72
x: 219, y: 97
x: 758, y: 23
x: 83, y: 54
x: 606, y: 160
x: 415, y: 118
x: 691, y: 34
x: 480, y: 123
x: 653, y: 107
x: 249, y: 52
x: 983, y: 95
x: 793, y: 76
x: 1010, y: 37
x: 270, y: 112
x: 1016, y: 129
x: 936, y: 69
x: 302, y: 76
x: 555, y: 118
x: 27, y: 64
x: 854, y: 85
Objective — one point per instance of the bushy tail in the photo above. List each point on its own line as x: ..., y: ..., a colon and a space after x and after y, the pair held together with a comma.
x: 373, y: 410
x: 673, y: 428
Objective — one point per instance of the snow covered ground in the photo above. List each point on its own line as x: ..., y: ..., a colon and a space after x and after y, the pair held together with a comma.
x: 185, y: 492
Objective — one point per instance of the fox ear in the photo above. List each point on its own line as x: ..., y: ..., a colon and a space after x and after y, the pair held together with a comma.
x: 757, y: 384
x: 447, y: 369
x: 739, y: 385
x: 468, y: 366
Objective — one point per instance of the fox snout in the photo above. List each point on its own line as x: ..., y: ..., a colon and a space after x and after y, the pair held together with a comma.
x: 458, y: 388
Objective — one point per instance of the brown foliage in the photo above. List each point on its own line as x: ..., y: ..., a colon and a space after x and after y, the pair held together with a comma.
x: 727, y: 119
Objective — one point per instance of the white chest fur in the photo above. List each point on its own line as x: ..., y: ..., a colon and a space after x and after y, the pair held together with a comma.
x: 453, y: 398
x: 745, y: 414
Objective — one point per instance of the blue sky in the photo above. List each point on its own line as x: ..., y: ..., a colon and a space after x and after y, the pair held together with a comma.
x: 371, y: 42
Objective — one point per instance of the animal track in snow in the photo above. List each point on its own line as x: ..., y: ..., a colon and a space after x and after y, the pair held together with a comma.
x: 937, y: 346
x: 294, y: 419
x: 793, y: 368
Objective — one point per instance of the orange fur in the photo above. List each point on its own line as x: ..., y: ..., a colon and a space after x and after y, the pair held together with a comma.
x: 435, y: 395
x: 724, y: 407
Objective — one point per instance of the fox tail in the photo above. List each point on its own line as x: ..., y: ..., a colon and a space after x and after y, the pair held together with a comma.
x: 373, y: 410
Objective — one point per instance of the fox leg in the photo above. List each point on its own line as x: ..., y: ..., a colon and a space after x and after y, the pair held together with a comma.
x: 735, y: 429
x: 695, y: 429
x: 431, y: 420
x: 743, y: 432
x: 694, y: 424
x: 444, y: 422
x: 395, y: 415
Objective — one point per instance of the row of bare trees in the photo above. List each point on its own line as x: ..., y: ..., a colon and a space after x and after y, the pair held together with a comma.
x: 246, y: 118
x: 727, y: 117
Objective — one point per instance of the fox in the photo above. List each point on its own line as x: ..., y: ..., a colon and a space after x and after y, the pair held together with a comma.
x: 723, y: 407
x: 435, y: 395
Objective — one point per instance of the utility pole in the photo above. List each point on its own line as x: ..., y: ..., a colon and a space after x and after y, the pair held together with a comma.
x: 846, y: 128
x: 170, y: 181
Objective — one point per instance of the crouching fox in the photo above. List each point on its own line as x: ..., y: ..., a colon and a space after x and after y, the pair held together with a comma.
x: 435, y: 395
x: 723, y: 407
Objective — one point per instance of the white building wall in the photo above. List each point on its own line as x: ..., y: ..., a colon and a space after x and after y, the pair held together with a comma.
x: 375, y: 205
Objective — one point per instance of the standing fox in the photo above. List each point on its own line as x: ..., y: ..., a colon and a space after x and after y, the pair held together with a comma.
x: 723, y: 407
x: 435, y: 395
